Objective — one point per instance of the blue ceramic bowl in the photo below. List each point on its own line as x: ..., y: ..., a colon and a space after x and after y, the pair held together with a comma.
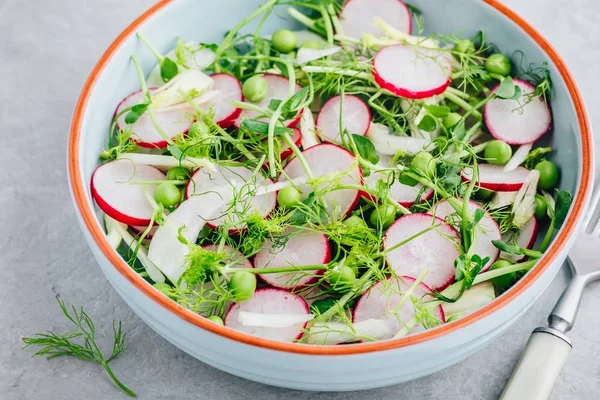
x: 351, y: 367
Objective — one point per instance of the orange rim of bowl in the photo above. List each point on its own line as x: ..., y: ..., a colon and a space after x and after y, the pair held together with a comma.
x: 88, y: 216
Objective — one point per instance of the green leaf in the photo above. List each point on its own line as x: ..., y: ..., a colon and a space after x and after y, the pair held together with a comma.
x: 414, y: 10
x: 136, y: 112
x: 292, y: 105
x: 407, y: 180
x: 508, y: 248
x: 563, y: 203
x: 168, y: 69
x: 507, y: 89
x: 366, y: 148
x: 274, y: 104
x: 175, y: 151
x: 438, y: 111
x: 262, y: 128
x: 517, y: 94
x: 428, y: 124
x: 459, y: 131
x: 535, y: 156
x: 479, y: 214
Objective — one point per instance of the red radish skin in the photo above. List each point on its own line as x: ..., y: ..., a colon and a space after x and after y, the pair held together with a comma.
x: 302, y: 248
x: 231, y: 89
x: 358, y: 17
x: 326, y: 158
x: 381, y: 299
x: 435, y: 250
x: 270, y: 301
x: 526, y: 239
x: 277, y: 90
x: 356, y: 118
x: 121, y: 201
x: 173, y: 121
x: 239, y: 260
x: 510, y: 121
x: 493, y: 177
x: 286, y: 150
x: 205, y: 181
x: 487, y: 229
x: 410, y: 72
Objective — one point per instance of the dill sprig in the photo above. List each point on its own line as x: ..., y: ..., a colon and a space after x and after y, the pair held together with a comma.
x: 54, y: 345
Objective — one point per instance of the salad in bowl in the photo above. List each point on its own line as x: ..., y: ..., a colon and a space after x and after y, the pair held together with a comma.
x: 354, y: 181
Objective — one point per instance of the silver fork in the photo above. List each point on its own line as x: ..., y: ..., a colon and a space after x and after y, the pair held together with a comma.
x: 548, y: 347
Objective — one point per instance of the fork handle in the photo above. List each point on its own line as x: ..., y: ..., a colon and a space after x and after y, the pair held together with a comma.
x: 539, y: 366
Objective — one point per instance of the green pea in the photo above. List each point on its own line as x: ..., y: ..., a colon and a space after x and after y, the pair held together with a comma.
x: 502, y: 282
x: 464, y: 46
x: 216, y: 319
x: 424, y: 163
x: 383, y: 215
x: 255, y: 89
x: 498, y: 64
x: 312, y: 44
x: 353, y: 221
x: 341, y: 275
x: 198, y: 129
x: 548, y: 174
x: 177, y: 174
x: 498, y: 152
x: 451, y: 120
x: 242, y: 285
x: 167, y: 194
x: 284, y: 40
x: 320, y: 306
x: 541, y: 207
x: 289, y: 197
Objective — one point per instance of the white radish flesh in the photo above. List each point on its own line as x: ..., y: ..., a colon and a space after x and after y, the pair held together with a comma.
x: 387, y: 143
x: 326, y: 159
x: 417, y: 255
x: 411, y: 72
x: 118, y: 198
x: 487, y: 229
x: 172, y: 93
x: 330, y: 333
x: 518, y: 157
x: 272, y: 320
x: 359, y: 17
x: 225, y: 183
x: 526, y: 239
x: 307, y: 128
x: 355, y: 114
x: 277, y: 89
x: 230, y: 89
x: 270, y: 301
x: 519, y: 121
x: 382, y: 300
x: 301, y: 248
x: 494, y: 178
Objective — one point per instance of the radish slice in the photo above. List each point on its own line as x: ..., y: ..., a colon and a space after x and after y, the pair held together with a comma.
x: 381, y: 300
x: 356, y: 118
x: 519, y: 121
x: 272, y: 320
x: 411, y: 72
x: 387, y: 143
x: 235, y: 257
x: 326, y: 159
x: 494, y: 178
x: 302, y: 248
x: 518, y: 158
x: 223, y: 183
x: 277, y: 90
x: 526, y: 239
x: 404, y: 194
x: 231, y: 89
x: 435, y: 250
x: 307, y: 128
x: 329, y: 333
x: 170, y: 94
x: 173, y: 121
x: 286, y: 150
x: 270, y: 301
x: 358, y: 17
x: 487, y: 229
x: 118, y: 198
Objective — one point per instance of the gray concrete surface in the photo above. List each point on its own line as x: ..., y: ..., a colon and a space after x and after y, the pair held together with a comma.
x: 47, y: 48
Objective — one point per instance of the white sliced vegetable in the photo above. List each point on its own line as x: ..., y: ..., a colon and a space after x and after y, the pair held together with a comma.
x: 188, y: 55
x: 524, y: 205
x: 263, y: 320
x: 518, y: 157
x: 502, y: 199
x: 112, y: 234
x: 360, y: 16
x: 330, y: 333
x: 166, y: 162
x: 306, y: 55
x: 472, y: 300
x: 121, y: 229
x: 387, y: 143
x: 307, y: 127
x: 187, y: 81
